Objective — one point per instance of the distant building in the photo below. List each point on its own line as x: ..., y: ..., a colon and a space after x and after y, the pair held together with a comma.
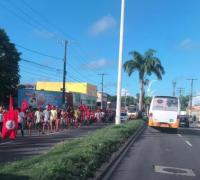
x: 82, y: 87
x: 195, y: 111
x: 51, y: 93
x: 99, y: 98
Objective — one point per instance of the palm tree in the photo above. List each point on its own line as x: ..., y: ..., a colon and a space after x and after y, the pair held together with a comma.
x: 146, y: 64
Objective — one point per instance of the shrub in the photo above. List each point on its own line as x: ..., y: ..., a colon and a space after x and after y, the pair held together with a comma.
x: 74, y: 159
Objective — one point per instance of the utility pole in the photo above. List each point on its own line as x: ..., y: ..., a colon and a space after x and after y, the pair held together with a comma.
x: 181, y: 91
x: 174, y: 88
x: 102, y: 76
x: 64, y: 72
x: 119, y: 79
x: 191, y: 93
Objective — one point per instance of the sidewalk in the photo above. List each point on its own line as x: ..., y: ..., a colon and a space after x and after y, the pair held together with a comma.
x: 195, y: 124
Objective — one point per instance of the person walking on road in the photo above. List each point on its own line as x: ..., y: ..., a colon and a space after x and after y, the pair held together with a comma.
x: 64, y: 118
x: 77, y: 117
x: 30, y: 119
x: 46, y: 122
x: 58, y: 119
x: 53, y: 117
x: 21, y: 119
x: 39, y: 119
x: 1, y: 119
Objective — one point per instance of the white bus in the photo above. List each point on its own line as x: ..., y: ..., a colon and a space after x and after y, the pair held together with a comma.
x: 132, y: 112
x: 164, y: 112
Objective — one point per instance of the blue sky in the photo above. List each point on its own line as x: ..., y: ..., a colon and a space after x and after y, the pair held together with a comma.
x: 92, y: 29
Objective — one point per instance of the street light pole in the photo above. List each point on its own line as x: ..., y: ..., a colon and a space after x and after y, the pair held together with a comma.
x: 119, y: 81
x: 174, y: 88
x: 102, y: 76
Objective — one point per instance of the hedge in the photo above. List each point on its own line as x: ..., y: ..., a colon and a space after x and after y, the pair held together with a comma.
x: 72, y: 159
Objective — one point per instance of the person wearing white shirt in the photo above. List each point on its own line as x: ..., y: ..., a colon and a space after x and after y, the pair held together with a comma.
x: 39, y: 119
x: 21, y: 118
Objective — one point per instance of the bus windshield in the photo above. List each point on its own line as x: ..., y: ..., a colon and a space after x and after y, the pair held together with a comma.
x: 165, y: 104
x: 132, y: 109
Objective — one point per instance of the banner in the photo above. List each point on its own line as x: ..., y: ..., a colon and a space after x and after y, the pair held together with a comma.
x: 10, y: 122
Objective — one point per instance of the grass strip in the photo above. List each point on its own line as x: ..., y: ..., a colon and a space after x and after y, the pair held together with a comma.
x: 72, y: 159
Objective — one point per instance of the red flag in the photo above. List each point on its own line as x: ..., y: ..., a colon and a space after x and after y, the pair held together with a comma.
x: 24, y: 105
x: 11, y: 104
x: 10, y: 122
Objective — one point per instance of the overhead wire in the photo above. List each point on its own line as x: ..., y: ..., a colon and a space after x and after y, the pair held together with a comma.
x: 57, y: 28
x: 58, y: 58
x: 40, y: 25
x: 39, y: 53
x: 51, y: 68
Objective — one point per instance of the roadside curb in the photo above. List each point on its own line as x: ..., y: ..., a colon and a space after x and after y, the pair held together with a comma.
x: 106, y: 170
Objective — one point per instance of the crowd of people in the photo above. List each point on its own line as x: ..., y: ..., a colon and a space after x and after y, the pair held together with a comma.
x: 52, y: 118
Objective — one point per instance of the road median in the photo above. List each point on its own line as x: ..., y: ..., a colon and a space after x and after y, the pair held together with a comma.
x: 74, y: 159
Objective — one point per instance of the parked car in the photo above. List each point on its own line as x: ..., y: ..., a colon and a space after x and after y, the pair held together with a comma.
x: 124, y: 116
x: 184, y: 121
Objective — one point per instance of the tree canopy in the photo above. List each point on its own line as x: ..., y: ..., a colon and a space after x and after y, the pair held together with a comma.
x: 146, y: 65
x: 184, y: 101
x: 9, y: 68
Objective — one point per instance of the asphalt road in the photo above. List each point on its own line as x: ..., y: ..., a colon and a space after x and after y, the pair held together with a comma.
x: 26, y: 146
x: 162, y: 155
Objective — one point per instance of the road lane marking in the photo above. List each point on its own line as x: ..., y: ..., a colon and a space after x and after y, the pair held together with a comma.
x: 188, y: 143
x: 6, y: 143
x: 179, y: 135
x: 52, y: 133
x: 174, y: 170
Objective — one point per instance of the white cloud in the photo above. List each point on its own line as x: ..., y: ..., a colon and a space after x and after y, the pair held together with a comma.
x: 100, y: 63
x: 102, y: 25
x: 189, y: 44
x: 48, y: 35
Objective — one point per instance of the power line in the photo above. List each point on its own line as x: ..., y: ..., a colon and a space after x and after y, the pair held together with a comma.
x: 26, y: 15
x: 41, y: 65
x: 37, y: 22
x: 53, y: 57
x: 51, y: 68
x: 17, y: 15
x: 38, y: 52
x: 181, y: 91
x: 32, y: 23
x: 40, y: 15
x: 83, y: 59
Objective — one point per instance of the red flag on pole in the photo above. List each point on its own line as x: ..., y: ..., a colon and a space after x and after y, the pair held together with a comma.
x: 24, y: 105
x: 11, y: 104
x: 10, y: 122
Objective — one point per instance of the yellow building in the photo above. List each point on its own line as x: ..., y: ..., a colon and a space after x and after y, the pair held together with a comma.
x: 83, y: 87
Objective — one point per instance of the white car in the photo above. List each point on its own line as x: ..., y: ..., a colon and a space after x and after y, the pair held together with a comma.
x: 124, y: 117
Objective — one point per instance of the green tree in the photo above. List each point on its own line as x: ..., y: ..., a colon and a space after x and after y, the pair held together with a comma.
x: 184, y: 100
x: 128, y: 100
x: 147, y: 102
x: 9, y: 68
x: 146, y: 64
